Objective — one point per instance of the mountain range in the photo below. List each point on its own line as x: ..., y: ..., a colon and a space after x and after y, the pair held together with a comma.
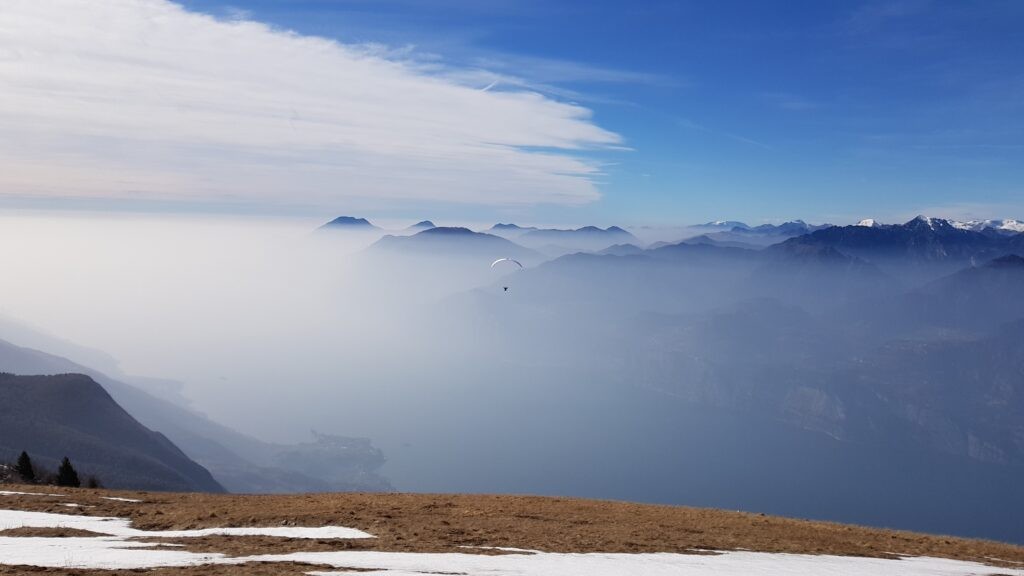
x: 588, y: 238
x: 548, y: 241
x: 451, y: 242
x: 920, y: 249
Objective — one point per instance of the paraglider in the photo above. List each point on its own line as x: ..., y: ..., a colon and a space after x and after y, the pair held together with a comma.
x: 510, y: 260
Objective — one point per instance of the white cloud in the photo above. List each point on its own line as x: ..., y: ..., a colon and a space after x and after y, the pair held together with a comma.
x: 142, y: 99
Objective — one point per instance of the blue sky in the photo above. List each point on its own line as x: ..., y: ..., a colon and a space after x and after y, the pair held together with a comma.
x: 759, y: 111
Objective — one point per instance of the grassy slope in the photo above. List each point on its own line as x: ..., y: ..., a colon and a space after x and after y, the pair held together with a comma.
x: 436, y: 523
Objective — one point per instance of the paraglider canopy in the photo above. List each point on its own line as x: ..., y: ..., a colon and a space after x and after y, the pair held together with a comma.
x: 512, y: 260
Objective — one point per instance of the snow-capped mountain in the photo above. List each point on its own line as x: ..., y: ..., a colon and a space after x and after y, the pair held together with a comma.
x: 922, y: 222
x: 723, y: 225
x: 1009, y: 225
x: 923, y: 247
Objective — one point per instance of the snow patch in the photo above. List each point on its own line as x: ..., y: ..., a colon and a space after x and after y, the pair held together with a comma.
x: 114, y: 552
x: 504, y: 549
x: 102, y: 553
x: 116, y: 499
x: 663, y: 564
x: 122, y: 528
x: 8, y: 493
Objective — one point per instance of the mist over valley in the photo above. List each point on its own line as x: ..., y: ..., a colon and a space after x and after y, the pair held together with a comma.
x: 837, y: 366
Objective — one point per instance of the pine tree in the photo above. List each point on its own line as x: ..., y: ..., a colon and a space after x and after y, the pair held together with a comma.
x: 24, y: 469
x: 66, y: 475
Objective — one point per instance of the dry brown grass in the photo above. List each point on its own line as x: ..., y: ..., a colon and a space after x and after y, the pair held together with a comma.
x: 446, y: 523
x: 47, y: 533
x: 251, y: 569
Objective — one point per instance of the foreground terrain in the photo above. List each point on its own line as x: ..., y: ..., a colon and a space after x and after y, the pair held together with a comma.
x: 548, y: 535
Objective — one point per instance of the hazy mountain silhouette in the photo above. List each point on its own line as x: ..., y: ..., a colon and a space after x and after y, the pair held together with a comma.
x: 738, y: 234
x: 817, y: 277
x: 424, y: 225
x: 349, y: 223
x: 591, y: 238
x: 622, y: 250
x: 967, y: 303
x: 509, y: 231
x: 712, y: 240
x: 452, y: 243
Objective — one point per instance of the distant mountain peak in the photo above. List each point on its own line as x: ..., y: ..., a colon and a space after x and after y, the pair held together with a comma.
x: 791, y: 228
x: 422, y: 225
x: 921, y: 221
x: 447, y: 231
x: 729, y: 224
x: 614, y: 231
x: 349, y: 222
x: 509, y: 226
x: 869, y: 223
x: 1009, y: 225
x: 622, y: 250
x: 1006, y: 226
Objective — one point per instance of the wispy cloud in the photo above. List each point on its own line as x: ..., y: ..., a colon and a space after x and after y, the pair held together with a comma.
x: 691, y: 125
x: 873, y: 15
x: 144, y: 99
x: 236, y: 13
x: 548, y: 76
x: 789, y: 101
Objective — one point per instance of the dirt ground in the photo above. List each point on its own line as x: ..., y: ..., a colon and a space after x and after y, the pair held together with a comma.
x: 449, y: 523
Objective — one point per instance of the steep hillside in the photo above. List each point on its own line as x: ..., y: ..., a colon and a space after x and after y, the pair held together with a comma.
x: 238, y: 462
x: 71, y: 415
